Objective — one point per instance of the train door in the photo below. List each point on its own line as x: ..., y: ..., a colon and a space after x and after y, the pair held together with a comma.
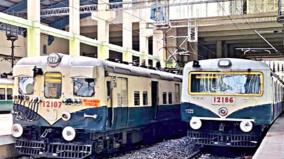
x: 121, y: 112
x: 155, y: 97
x: 110, y: 85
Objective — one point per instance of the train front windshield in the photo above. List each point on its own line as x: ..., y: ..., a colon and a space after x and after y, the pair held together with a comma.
x: 229, y: 83
x: 52, y: 85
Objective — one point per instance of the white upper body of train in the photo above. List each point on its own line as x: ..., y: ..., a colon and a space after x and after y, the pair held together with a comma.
x: 93, y: 83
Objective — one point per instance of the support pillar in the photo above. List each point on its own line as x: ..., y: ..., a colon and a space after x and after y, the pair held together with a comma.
x: 33, y: 33
x: 143, y: 41
x: 219, y: 49
x: 171, y: 48
x: 231, y: 51
x: 127, y: 32
x: 158, y: 47
x: 74, y: 27
x: 103, y: 30
x: 226, y: 50
x: 193, y: 49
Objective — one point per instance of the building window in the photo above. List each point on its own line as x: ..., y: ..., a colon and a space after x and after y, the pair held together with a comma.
x: 150, y: 45
x: 145, y: 98
x: 170, y: 98
x: 164, y: 98
x: 136, y: 98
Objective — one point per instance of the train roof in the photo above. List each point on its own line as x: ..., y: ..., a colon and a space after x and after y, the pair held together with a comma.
x: 235, y: 64
x: 6, y: 81
x: 67, y: 61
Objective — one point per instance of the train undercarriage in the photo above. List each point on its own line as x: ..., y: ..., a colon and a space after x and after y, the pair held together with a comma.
x: 46, y: 142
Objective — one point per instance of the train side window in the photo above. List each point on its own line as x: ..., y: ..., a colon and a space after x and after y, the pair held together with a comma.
x: 26, y: 85
x: 2, y: 93
x: 9, y: 93
x: 52, y: 85
x: 136, y: 98
x: 145, y: 98
x: 84, y: 87
x: 170, y: 98
x: 177, y: 93
x: 164, y: 97
x: 108, y: 88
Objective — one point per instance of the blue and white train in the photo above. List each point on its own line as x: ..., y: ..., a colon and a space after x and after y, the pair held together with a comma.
x: 79, y: 107
x: 230, y: 102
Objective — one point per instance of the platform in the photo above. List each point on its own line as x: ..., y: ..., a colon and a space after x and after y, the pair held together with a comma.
x: 7, y: 149
x: 272, y: 146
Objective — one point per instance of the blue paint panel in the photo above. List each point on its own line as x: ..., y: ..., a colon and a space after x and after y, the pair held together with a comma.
x: 77, y: 119
x: 139, y: 116
x: 80, y: 122
x: 124, y: 117
x: 198, y: 111
x: 168, y: 112
x: 120, y: 117
x: 261, y: 113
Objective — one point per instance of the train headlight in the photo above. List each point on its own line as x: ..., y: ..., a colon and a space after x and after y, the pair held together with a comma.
x: 195, y: 123
x: 224, y: 63
x: 246, y: 126
x: 66, y: 116
x: 17, y: 130
x: 69, y: 133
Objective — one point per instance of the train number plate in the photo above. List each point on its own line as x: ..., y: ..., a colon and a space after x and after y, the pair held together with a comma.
x: 223, y: 100
x: 51, y: 104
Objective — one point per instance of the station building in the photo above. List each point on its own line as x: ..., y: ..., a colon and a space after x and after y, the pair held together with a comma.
x: 173, y: 31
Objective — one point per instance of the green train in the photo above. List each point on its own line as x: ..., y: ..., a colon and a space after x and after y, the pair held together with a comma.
x: 6, y: 94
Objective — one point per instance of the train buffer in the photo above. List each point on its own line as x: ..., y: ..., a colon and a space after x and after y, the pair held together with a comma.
x: 272, y: 146
x: 7, y: 149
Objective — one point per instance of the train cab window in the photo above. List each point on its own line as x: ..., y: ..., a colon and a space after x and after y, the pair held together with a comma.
x: 226, y: 83
x: 26, y: 85
x: 2, y: 93
x: 170, y: 98
x: 9, y: 93
x: 136, y: 98
x: 145, y: 98
x: 52, y: 85
x: 164, y: 98
x: 84, y: 87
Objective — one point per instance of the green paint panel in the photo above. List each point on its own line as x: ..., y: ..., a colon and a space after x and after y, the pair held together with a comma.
x: 6, y: 105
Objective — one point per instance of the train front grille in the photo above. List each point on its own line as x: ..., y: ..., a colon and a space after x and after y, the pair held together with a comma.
x: 221, y: 139
x: 53, y: 150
